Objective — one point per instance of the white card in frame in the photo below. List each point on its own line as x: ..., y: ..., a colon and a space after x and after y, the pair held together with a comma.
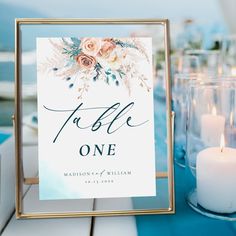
x: 95, y: 117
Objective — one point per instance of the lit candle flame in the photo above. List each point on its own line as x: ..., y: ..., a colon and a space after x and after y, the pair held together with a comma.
x: 222, y: 142
x: 213, y: 111
x: 220, y: 70
x: 231, y: 119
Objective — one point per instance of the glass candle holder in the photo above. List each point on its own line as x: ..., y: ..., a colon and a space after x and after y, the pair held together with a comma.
x: 210, y: 61
x: 211, y: 148
x: 180, y: 102
x: 229, y: 55
x: 185, y: 64
x: 188, y: 70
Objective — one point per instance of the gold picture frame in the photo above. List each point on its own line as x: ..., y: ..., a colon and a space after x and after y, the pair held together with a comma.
x: 17, y: 120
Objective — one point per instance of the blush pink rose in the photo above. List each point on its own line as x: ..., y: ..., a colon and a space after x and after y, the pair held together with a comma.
x: 86, y: 61
x: 91, y: 46
x: 107, y: 47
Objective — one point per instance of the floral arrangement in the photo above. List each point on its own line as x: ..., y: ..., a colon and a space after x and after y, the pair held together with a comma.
x: 81, y: 61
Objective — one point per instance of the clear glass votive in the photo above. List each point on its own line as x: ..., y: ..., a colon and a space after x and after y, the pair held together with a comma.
x: 185, y: 64
x: 185, y: 68
x: 211, y: 148
x: 180, y: 105
x: 229, y: 55
x: 210, y: 61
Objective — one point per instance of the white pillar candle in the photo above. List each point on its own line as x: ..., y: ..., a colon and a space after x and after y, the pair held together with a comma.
x: 216, y: 179
x: 212, y: 126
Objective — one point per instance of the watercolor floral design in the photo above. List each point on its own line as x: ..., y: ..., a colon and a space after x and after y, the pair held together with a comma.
x: 82, y: 61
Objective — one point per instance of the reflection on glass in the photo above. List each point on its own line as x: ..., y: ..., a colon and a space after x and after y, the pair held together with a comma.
x: 229, y: 55
x: 209, y: 61
x: 29, y: 33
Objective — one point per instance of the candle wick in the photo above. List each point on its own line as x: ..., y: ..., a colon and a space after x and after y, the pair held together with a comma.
x: 222, y: 142
x: 221, y: 149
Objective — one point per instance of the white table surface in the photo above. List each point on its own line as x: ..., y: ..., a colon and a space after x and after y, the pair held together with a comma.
x: 48, y: 227
x: 7, y: 181
x: 114, y: 225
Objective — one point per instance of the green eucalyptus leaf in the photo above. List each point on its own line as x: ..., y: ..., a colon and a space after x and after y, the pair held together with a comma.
x: 76, y: 41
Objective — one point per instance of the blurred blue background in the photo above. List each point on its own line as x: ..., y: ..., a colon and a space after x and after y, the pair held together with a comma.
x: 206, y: 14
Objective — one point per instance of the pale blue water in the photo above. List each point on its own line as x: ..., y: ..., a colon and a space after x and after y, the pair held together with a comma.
x: 7, y: 72
x: 8, y: 13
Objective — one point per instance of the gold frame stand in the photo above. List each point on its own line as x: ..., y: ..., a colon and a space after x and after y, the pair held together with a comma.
x: 17, y: 120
